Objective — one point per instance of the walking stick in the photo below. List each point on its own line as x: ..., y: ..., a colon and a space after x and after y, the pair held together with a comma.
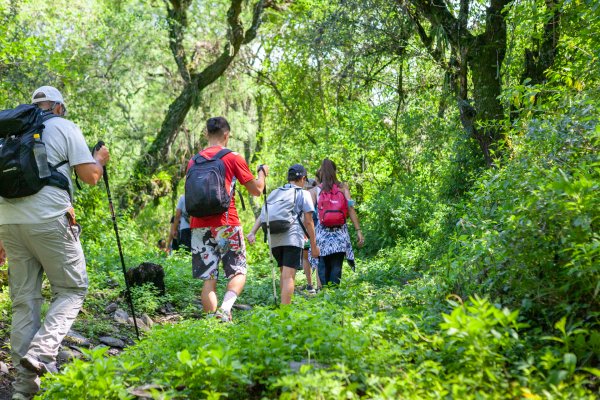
x: 268, y: 237
x: 114, y: 219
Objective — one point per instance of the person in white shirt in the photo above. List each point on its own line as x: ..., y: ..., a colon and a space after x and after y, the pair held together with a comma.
x: 39, y: 234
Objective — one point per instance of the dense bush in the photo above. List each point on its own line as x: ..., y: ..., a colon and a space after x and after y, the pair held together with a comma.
x: 528, y: 234
x: 335, y: 346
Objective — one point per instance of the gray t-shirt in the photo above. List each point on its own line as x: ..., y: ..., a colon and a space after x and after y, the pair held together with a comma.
x: 183, y: 222
x: 295, y: 236
x: 64, y: 141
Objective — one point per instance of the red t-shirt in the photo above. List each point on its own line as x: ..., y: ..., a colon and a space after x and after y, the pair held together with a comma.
x: 235, y: 165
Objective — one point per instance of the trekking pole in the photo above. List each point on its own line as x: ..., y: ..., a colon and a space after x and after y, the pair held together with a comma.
x: 269, y: 239
x: 114, y: 219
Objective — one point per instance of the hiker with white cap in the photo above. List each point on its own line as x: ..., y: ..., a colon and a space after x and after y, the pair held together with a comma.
x: 39, y: 234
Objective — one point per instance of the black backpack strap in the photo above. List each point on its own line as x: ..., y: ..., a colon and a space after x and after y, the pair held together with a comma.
x: 242, y: 200
x: 302, y: 226
x: 46, y: 115
x: 77, y: 181
x: 196, y: 157
x: 56, y: 178
x: 222, y: 153
x: 60, y: 164
x: 299, y: 211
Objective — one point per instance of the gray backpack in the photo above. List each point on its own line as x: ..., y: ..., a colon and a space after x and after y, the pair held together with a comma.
x: 282, y: 209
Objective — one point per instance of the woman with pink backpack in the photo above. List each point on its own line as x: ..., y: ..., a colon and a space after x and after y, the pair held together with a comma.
x: 334, y: 205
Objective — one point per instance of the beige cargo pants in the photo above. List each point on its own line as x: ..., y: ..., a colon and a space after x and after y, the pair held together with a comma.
x: 33, y: 249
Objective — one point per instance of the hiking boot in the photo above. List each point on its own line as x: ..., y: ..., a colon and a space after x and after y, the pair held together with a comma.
x: 32, y: 364
x: 22, y: 396
x: 223, y: 316
x: 310, y: 289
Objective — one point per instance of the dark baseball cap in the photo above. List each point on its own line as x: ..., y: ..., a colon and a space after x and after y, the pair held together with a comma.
x: 296, y: 172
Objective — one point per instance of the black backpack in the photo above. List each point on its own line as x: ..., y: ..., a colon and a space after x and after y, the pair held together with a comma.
x: 205, y: 192
x: 19, y: 172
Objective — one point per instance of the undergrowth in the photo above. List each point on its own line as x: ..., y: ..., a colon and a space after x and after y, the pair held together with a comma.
x: 358, y: 341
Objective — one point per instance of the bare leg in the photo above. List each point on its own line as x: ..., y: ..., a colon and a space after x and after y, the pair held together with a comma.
x: 209, y: 295
x: 318, y: 279
x: 306, y: 267
x: 236, y: 284
x: 287, y: 284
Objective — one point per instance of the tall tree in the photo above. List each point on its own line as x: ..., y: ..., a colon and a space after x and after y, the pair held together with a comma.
x: 194, y: 81
x: 476, y: 50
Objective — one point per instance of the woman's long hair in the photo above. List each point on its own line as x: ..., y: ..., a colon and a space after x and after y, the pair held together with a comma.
x: 327, y: 175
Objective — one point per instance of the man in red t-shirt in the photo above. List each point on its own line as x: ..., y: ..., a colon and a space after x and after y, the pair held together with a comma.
x: 220, y: 237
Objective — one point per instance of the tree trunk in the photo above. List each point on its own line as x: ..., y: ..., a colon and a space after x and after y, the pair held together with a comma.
x: 141, y: 189
x: 482, y: 55
x: 541, y: 57
x: 485, y: 59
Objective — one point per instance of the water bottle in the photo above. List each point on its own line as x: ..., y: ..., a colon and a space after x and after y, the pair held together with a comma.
x: 41, y: 158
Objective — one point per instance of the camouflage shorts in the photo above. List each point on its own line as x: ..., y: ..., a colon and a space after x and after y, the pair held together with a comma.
x: 211, y: 245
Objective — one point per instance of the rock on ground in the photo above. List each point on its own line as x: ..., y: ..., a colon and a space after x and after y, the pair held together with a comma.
x: 112, y: 342
x: 121, y: 316
x: 76, y: 339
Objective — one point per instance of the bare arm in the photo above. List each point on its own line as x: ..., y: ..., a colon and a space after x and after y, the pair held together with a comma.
x: 255, y: 186
x: 91, y: 173
x: 176, y: 221
x: 312, y: 237
x: 252, y: 235
x: 170, y: 240
x: 354, y: 217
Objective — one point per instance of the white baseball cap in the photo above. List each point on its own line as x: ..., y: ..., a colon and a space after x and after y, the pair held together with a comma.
x: 49, y: 94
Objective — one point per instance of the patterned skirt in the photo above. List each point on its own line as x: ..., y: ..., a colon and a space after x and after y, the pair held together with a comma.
x: 332, y: 240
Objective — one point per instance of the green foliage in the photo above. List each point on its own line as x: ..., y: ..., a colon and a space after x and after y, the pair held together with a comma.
x: 337, y: 351
x: 529, y: 229
x: 101, y: 370
x: 145, y: 298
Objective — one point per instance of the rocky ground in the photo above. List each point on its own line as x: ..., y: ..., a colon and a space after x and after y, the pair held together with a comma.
x: 74, y: 342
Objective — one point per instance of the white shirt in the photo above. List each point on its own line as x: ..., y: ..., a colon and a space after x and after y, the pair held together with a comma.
x: 64, y: 141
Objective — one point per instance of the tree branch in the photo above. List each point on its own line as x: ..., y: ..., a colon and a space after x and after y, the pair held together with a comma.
x: 264, y: 78
x: 438, y: 14
x: 177, y: 21
x: 157, y: 155
x: 256, y: 21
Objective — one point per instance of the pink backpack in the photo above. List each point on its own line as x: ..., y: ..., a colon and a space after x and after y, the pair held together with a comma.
x: 333, y: 208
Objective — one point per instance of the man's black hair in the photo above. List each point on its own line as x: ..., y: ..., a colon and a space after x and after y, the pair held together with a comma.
x: 217, y: 126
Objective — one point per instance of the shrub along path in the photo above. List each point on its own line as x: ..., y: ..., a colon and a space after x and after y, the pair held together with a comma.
x: 386, y: 333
